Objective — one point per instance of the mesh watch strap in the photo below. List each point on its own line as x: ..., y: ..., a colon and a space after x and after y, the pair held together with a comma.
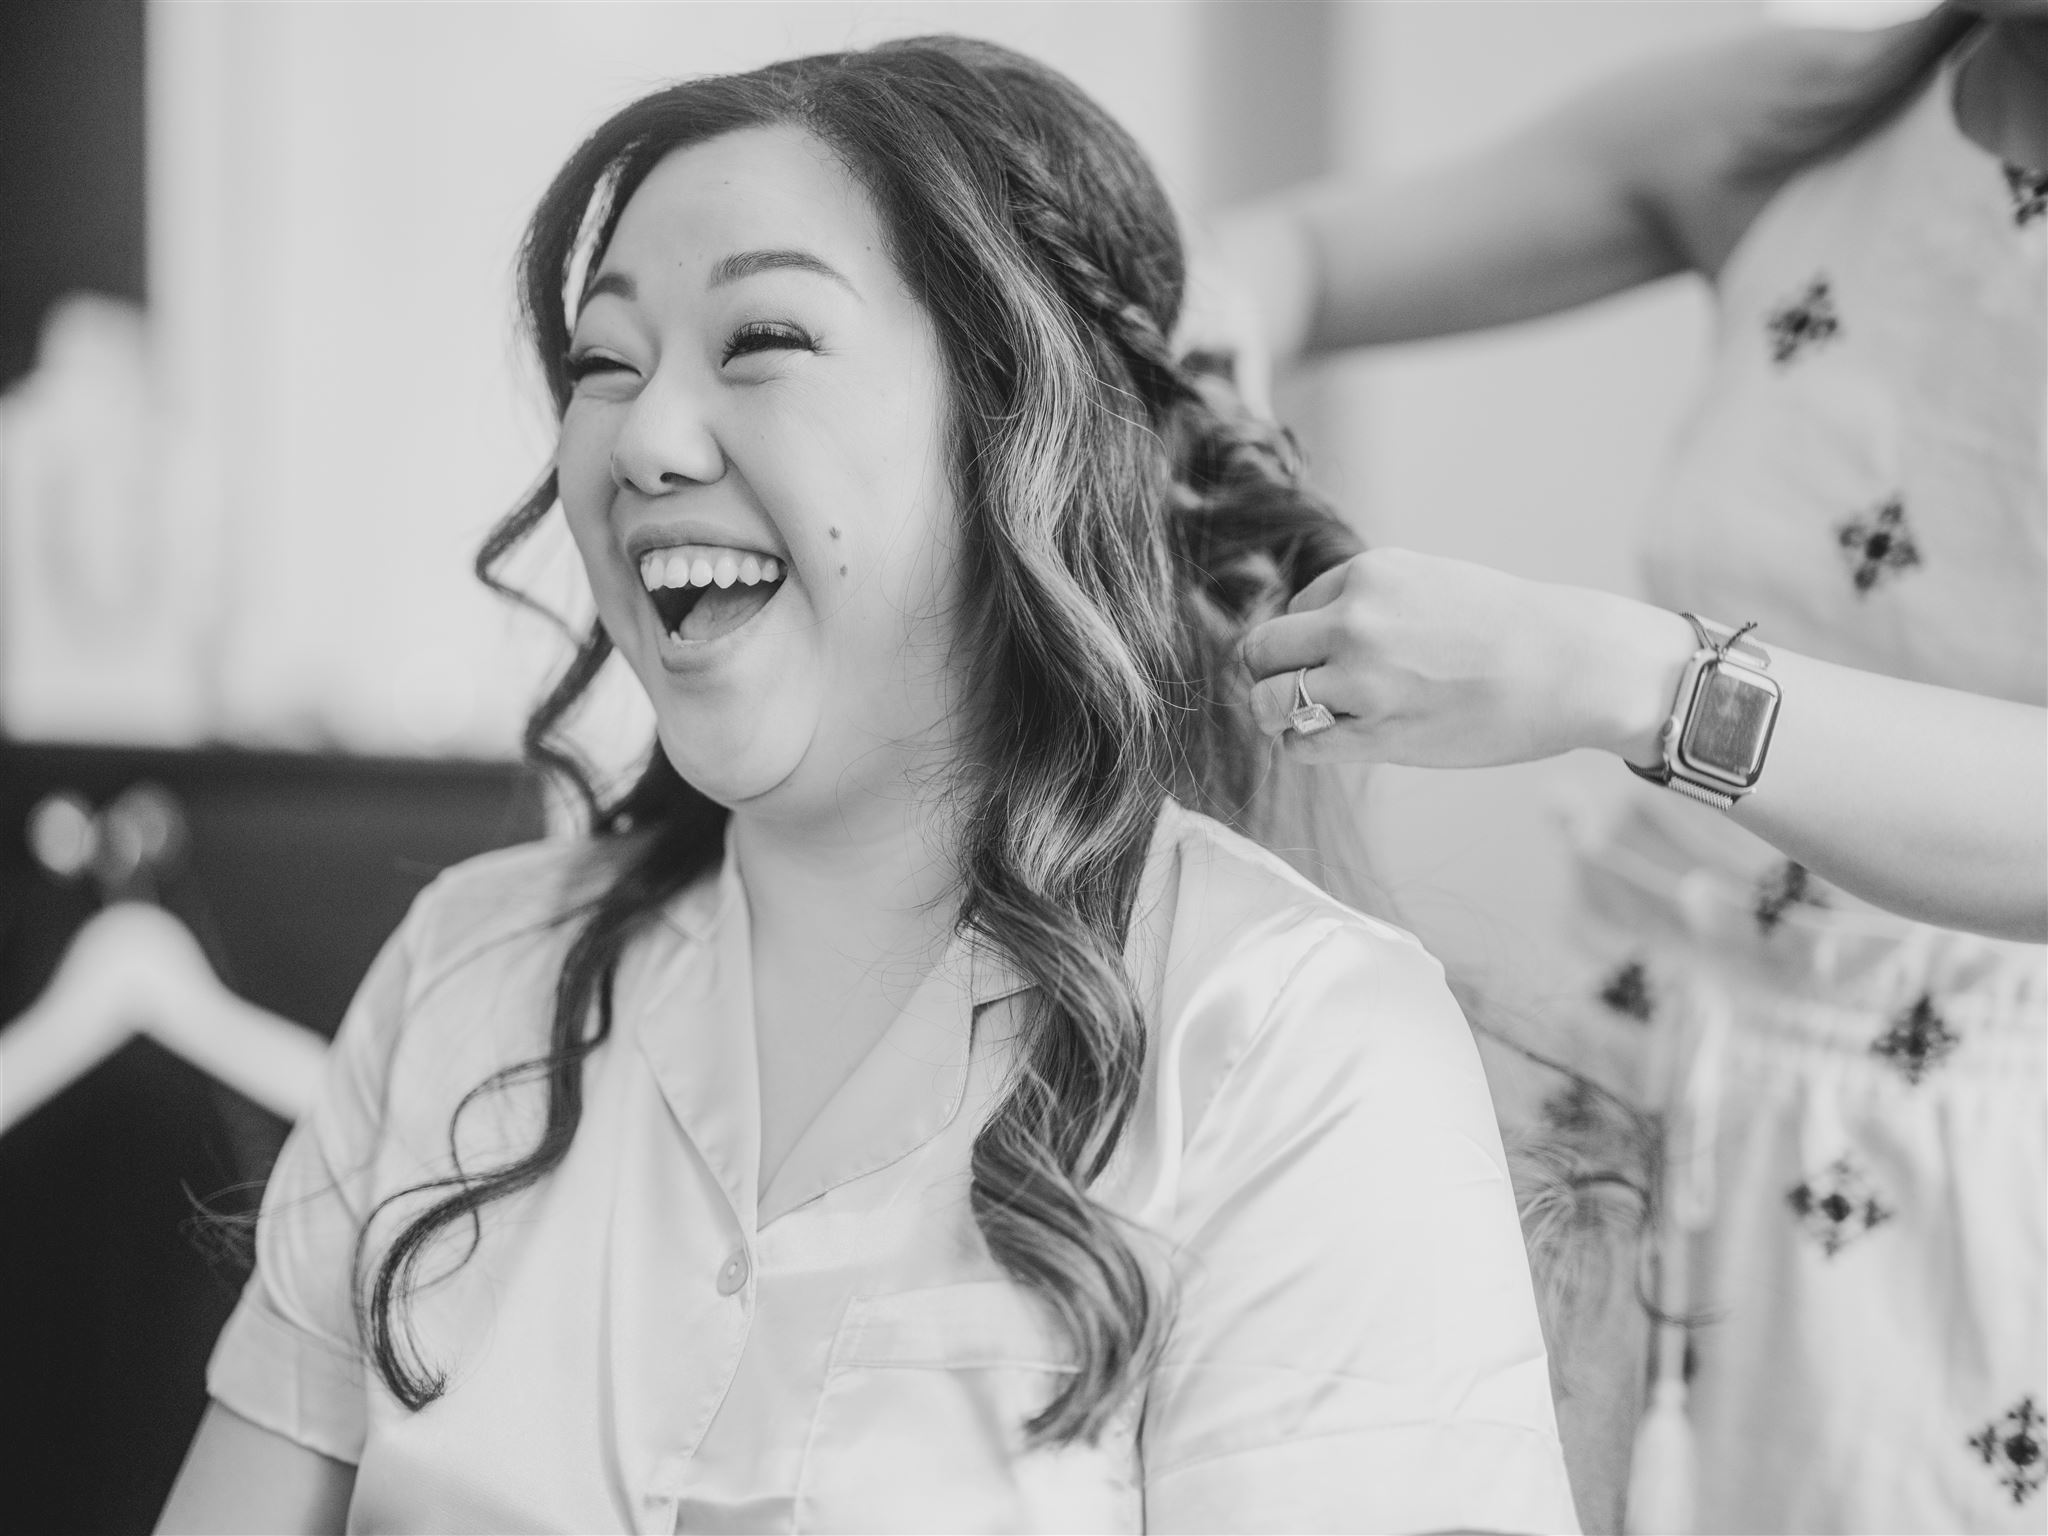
x: 1699, y: 792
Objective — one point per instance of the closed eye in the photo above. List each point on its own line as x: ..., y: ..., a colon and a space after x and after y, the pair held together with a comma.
x: 767, y: 336
x: 583, y: 365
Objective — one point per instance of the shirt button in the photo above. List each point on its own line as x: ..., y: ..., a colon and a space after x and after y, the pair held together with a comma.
x: 732, y: 1274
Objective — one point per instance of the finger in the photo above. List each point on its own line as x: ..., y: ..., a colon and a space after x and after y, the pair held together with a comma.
x: 1288, y: 642
x: 1321, y: 592
x: 1273, y: 699
x: 1349, y: 741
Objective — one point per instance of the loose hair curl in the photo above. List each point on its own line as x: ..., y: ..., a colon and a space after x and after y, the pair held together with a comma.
x: 1123, y: 523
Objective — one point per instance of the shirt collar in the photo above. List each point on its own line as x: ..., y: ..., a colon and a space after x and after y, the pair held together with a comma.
x: 701, y: 908
x: 904, y: 1092
x: 698, y: 909
x: 697, y: 1035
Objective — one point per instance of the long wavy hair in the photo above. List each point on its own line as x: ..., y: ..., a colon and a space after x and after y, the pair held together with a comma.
x: 1122, y: 527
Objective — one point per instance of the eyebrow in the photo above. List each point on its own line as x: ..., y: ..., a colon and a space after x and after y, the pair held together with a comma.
x: 729, y: 270
x: 748, y: 263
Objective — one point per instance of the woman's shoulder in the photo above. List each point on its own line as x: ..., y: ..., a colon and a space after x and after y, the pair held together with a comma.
x: 1247, y: 961
x: 465, y: 989
x: 1701, y: 140
x: 500, y: 901
x: 1233, y: 900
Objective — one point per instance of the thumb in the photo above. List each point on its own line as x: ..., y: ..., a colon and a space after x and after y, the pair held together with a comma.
x: 1321, y: 592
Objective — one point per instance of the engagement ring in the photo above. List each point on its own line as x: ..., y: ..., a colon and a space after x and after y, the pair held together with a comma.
x: 1308, y: 717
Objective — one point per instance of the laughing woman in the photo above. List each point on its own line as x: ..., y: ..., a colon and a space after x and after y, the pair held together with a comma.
x: 906, y: 1111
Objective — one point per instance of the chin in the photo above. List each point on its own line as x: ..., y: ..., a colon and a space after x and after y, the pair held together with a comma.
x: 734, y: 773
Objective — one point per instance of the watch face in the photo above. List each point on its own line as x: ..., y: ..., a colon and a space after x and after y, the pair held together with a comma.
x: 1730, y: 723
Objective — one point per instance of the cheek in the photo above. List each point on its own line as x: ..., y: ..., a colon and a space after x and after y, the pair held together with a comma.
x: 890, y: 546
x: 927, y: 547
x: 584, y: 483
x: 889, y: 563
x: 581, y: 462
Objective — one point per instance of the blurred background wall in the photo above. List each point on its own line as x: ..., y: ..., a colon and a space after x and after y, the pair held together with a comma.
x: 74, y: 99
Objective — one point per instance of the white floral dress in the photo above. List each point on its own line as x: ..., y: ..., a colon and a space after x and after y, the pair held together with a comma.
x: 1855, y: 1103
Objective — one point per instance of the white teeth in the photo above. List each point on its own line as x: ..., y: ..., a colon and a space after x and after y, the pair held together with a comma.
x: 703, y: 565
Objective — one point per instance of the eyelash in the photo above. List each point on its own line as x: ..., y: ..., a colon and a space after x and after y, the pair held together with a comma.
x: 754, y: 336
x: 766, y: 336
x: 579, y: 366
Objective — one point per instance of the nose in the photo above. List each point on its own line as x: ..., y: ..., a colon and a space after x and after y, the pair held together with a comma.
x: 665, y: 443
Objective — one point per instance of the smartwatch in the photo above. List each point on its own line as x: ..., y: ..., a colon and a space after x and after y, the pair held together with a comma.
x: 1719, y: 731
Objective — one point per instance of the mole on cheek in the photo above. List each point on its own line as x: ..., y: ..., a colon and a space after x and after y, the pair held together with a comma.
x: 842, y: 570
x: 835, y: 533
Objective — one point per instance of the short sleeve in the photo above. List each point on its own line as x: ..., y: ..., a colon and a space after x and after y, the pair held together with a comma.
x: 1357, y: 1345
x: 290, y: 1358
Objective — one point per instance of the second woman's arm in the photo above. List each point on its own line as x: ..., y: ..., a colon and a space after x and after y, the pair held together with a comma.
x: 1655, y: 170
x: 1929, y: 802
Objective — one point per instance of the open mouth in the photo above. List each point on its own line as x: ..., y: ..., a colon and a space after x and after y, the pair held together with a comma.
x: 702, y: 591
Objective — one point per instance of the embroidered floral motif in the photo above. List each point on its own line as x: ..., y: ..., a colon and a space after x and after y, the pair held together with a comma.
x: 1807, y: 321
x: 1627, y: 992
x: 2029, y: 194
x: 1918, y: 1041
x: 1574, y: 1108
x: 1783, y: 888
x: 1838, y: 1206
x: 1878, y: 545
x: 2012, y: 1444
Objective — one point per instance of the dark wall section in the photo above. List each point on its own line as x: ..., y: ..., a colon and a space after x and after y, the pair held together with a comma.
x: 71, y: 161
x: 296, y: 869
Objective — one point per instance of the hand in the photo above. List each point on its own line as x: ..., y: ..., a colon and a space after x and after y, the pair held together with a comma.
x: 1443, y: 664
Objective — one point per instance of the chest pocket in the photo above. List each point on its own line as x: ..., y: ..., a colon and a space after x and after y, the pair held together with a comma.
x: 920, y: 1426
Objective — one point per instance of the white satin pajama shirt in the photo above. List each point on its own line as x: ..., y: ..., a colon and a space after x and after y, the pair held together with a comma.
x: 647, y: 1342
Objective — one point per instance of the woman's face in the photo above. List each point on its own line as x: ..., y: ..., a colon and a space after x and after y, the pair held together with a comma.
x: 754, y: 467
